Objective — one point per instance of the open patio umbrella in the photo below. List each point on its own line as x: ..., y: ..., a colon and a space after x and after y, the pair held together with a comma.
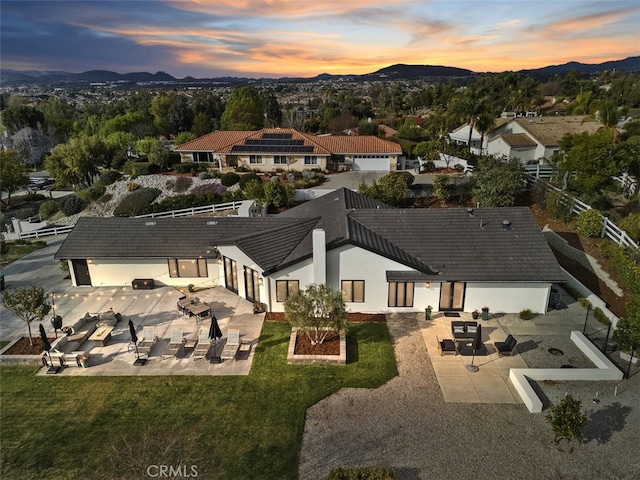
x: 46, y: 346
x: 214, y: 334
x: 134, y: 340
x: 475, y: 345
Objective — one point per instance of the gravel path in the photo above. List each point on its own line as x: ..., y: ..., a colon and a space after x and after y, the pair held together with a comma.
x: 405, y: 424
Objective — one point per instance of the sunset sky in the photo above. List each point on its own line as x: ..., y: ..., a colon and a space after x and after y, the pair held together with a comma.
x: 276, y: 38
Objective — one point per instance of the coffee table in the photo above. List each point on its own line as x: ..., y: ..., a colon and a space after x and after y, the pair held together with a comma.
x: 101, y: 336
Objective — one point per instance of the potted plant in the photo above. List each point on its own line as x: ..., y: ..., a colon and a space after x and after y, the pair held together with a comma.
x: 427, y: 312
x: 67, y: 330
x: 475, y: 314
x: 485, y: 313
x: 84, y: 360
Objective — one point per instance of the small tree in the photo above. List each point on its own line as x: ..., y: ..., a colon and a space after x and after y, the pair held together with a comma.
x: 28, y: 304
x: 567, y: 420
x: 441, y: 188
x: 316, y: 311
x: 627, y: 332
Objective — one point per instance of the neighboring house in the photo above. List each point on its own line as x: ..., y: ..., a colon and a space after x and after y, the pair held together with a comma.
x: 527, y: 138
x: 272, y: 148
x: 384, y: 259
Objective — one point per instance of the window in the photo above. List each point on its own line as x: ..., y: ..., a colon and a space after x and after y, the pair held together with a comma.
x: 255, y: 158
x: 230, y: 274
x: 284, y: 288
x: 310, y: 160
x: 353, y: 290
x: 252, y: 284
x: 401, y: 294
x: 279, y: 160
x: 189, y: 267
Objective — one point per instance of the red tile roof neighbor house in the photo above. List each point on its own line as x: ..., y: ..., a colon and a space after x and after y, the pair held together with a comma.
x: 271, y: 148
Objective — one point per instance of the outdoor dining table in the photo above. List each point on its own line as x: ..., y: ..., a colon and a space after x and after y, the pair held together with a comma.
x: 194, y: 306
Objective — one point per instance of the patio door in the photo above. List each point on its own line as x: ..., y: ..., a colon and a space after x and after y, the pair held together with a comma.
x: 251, y: 285
x: 452, y: 295
x: 81, y: 272
x: 230, y: 274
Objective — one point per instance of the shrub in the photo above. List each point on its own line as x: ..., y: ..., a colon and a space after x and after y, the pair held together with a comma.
x: 631, y: 224
x: 135, y: 169
x: 132, y: 186
x: 557, y: 205
x: 92, y: 193
x: 526, y: 314
x: 428, y: 166
x: 26, y: 212
x: 209, y: 189
x: 135, y: 203
x: 230, y: 178
x: 458, y: 167
x: 190, y: 167
x: 242, y: 169
x: 204, y: 175
x: 182, y: 184
x: 109, y: 177
x: 362, y: 473
x: 105, y: 198
x: 244, y: 179
x: 589, y: 223
x: 48, y: 208
x: 71, y: 205
x: 601, y: 203
x: 626, y: 268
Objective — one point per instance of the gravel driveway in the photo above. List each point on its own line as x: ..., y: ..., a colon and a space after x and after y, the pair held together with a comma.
x: 405, y: 424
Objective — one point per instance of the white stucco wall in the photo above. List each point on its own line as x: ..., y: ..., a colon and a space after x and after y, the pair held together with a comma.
x: 303, y: 272
x: 114, y: 272
x: 507, y: 297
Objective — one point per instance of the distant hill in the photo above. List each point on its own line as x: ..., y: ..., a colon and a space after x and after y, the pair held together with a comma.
x: 419, y: 71
x: 629, y: 64
x: 393, y: 72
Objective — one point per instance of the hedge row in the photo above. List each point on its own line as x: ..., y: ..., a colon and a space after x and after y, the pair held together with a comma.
x: 627, y: 270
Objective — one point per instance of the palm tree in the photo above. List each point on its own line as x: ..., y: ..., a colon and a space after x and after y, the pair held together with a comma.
x: 485, y: 124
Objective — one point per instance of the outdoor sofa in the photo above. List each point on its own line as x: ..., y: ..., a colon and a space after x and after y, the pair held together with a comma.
x: 462, y: 330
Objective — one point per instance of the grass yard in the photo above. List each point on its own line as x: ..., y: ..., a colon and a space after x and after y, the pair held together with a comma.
x: 225, y: 427
x: 18, y: 249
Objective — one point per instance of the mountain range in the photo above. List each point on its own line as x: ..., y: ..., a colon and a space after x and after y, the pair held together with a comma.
x: 393, y: 72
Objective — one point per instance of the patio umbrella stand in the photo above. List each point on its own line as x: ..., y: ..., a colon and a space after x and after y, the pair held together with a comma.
x: 214, y: 334
x: 477, y: 343
x: 46, y: 346
x: 134, y: 338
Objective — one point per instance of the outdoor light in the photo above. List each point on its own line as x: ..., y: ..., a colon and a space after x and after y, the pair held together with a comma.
x: 427, y: 285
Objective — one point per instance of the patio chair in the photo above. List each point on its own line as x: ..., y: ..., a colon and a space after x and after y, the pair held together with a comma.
x: 175, y: 344
x: 204, y: 344
x: 447, y: 346
x: 148, y: 340
x: 232, y: 346
x: 506, y: 348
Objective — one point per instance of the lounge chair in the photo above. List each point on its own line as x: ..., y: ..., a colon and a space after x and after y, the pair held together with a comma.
x: 506, y: 348
x: 204, y: 344
x: 232, y: 346
x: 175, y: 344
x: 148, y: 340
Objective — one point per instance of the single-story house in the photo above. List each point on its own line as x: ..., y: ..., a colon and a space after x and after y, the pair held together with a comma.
x: 271, y: 148
x: 383, y: 259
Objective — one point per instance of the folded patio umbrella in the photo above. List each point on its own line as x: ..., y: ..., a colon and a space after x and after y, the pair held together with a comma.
x: 132, y: 330
x: 46, y: 346
x: 475, y: 345
x: 214, y: 334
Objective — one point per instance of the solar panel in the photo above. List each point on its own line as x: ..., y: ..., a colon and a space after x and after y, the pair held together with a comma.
x: 272, y: 149
x: 279, y: 136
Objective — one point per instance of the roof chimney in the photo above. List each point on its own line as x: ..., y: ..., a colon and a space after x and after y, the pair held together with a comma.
x: 319, y: 256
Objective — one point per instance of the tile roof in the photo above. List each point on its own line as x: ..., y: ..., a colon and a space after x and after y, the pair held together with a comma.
x: 440, y: 244
x: 224, y: 142
x: 549, y: 130
x: 517, y: 140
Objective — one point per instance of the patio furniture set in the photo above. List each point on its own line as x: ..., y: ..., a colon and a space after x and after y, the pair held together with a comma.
x: 193, y: 306
x: 464, y: 333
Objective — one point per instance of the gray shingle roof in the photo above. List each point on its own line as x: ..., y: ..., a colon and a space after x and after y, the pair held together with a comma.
x: 440, y: 244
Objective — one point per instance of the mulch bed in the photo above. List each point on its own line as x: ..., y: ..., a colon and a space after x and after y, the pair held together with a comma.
x: 330, y: 345
x: 23, y: 347
x: 351, y: 317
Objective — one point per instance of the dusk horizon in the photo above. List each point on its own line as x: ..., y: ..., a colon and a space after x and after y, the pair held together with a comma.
x: 275, y: 39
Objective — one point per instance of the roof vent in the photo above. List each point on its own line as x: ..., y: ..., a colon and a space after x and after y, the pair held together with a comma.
x: 506, y: 225
x: 149, y: 223
x: 470, y: 212
x: 212, y: 222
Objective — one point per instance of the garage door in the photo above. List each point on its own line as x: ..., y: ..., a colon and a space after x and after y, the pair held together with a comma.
x: 375, y: 164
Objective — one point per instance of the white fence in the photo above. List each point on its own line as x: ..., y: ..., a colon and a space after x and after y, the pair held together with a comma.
x: 609, y: 229
x: 629, y: 184
x: 245, y: 205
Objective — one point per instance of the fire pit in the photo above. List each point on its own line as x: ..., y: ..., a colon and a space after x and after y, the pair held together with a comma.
x: 556, y: 351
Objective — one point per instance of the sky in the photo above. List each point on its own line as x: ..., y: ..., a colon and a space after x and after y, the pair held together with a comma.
x: 304, y: 38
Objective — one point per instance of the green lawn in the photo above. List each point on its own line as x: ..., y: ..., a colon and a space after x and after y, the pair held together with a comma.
x: 226, y: 427
x: 18, y: 250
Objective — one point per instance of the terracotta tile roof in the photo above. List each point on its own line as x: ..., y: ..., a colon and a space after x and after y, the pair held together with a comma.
x: 224, y: 141
x: 357, y: 144
x: 518, y: 140
x: 549, y: 130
